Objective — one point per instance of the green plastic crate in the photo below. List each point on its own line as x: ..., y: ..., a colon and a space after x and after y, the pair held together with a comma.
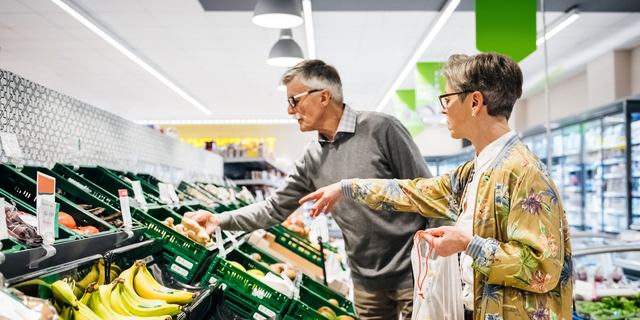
x: 24, y: 188
x: 327, y: 293
x: 111, y: 181
x: 187, y: 253
x: 249, y: 249
x: 296, y: 244
x: 75, y: 193
x: 10, y: 246
x: 152, y: 182
x: 87, y: 185
x: 64, y: 234
x: 315, y: 302
x: 300, y: 311
x: 280, y: 229
x: 222, y: 270
x: 245, y: 305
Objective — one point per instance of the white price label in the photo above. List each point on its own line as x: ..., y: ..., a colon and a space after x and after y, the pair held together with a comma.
x: 3, y: 222
x: 258, y: 316
x: 179, y: 270
x: 137, y: 191
x: 148, y: 259
x: 184, y: 262
x: 10, y: 145
x: 172, y: 193
x: 46, y: 207
x: 46, y: 218
x: 124, y: 208
x: 164, y: 193
x: 266, y: 311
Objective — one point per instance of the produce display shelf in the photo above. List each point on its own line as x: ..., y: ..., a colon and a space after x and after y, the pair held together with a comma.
x: 250, y: 249
x: 188, y: 255
x: 222, y: 270
x: 24, y: 188
x: 205, y: 198
x: 326, y: 293
x: 258, y: 182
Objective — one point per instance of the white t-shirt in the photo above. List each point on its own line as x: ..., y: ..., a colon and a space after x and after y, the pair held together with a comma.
x: 465, y: 222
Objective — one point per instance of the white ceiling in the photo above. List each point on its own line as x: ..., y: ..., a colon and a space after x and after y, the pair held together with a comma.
x: 220, y: 57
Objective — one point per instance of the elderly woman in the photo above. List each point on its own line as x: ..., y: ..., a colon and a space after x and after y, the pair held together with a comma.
x: 510, y: 228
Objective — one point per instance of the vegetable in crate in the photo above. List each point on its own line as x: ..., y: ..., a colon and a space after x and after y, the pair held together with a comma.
x: 114, y: 219
x: 192, y: 230
x: 18, y: 228
x: 66, y: 220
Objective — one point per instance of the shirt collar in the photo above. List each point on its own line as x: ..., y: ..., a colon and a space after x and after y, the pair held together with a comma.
x: 347, y: 125
x: 492, y: 150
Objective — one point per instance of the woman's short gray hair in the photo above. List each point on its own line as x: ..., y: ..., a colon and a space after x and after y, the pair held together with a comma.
x: 496, y: 76
x: 316, y: 74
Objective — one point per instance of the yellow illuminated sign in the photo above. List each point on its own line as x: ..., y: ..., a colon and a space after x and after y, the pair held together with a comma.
x: 199, y: 143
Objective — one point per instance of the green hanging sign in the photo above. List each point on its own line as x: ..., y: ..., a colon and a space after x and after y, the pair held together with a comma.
x: 429, y: 85
x: 507, y: 27
x: 405, y: 108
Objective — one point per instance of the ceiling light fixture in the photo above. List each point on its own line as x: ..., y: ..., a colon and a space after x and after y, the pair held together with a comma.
x: 564, y: 21
x: 218, y: 121
x: 444, y: 15
x: 286, y: 52
x: 308, y: 24
x: 120, y: 46
x: 280, y: 14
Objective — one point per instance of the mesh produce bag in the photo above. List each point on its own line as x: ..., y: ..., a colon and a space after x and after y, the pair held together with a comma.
x: 437, y: 290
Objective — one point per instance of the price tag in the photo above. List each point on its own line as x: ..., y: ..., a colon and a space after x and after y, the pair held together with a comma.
x: 164, y: 193
x: 172, y: 193
x: 46, y: 206
x: 124, y: 208
x: 10, y: 145
x: 137, y: 191
x: 3, y: 222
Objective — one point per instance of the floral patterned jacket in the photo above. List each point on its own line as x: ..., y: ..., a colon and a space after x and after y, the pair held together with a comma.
x: 521, y: 249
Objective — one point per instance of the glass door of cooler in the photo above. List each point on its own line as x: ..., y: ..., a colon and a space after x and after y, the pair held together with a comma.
x: 614, y: 177
x: 592, y: 163
x: 635, y: 170
x: 557, y: 161
x: 572, y: 176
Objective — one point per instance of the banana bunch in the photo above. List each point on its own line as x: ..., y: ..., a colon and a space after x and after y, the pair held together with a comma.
x: 68, y: 305
x: 147, y: 287
x: 97, y: 274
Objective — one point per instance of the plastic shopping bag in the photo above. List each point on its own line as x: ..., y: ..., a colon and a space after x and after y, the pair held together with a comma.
x: 437, y: 290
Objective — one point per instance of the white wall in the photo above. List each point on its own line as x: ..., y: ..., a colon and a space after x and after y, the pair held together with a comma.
x: 635, y: 71
x: 566, y: 98
x: 436, y: 141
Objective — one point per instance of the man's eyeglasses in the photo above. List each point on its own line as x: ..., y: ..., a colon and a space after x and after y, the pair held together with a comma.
x: 292, y: 100
x: 444, y: 98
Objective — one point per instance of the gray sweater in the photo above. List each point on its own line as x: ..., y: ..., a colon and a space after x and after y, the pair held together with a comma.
x: 378, y: 243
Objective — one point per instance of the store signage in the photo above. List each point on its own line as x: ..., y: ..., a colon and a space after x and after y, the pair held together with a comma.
x: 201, y: 142
x: 124, y: 208
x: 507, y: 27
x: 10, y: 145
x: 405, y: 109
x: 46, y: 206
x: 3, y: 222
x: 429, y: 84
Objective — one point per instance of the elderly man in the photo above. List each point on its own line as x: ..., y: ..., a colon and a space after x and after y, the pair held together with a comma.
x: 350, y: 144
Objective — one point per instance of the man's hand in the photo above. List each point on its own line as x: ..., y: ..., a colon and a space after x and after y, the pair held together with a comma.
x: 447, y: 240
x: 325, y: 198
x: 205, y: 219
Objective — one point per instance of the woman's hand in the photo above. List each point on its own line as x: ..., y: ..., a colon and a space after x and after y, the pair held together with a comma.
x: 325, y: 198
x: 205, y: 219
x: 447, y: 240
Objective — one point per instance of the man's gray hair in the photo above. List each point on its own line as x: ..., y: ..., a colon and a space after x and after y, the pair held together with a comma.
x: 316, y: 74
x: 496, y: 76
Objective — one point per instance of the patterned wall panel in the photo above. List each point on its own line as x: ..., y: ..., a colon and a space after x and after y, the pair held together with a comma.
x: 48, y: 125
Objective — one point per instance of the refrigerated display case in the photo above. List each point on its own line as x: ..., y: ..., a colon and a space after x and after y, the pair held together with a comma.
x: 596, y: 169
